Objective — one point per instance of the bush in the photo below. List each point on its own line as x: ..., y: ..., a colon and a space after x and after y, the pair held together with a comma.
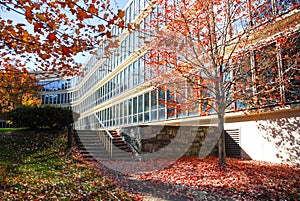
x: 41, y: 117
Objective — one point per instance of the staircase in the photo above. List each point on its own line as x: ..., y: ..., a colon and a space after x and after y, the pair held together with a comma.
x: 119, y: 142
x: 92, y: 149
x: 90, y: 146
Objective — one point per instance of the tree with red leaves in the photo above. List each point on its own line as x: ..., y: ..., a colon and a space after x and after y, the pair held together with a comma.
x: 225, y: 56
x: 54, y: 33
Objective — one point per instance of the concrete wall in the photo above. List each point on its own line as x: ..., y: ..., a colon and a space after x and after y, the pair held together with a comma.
x: 273, y: 140
x: 171, y: 141
x: 273, y: 137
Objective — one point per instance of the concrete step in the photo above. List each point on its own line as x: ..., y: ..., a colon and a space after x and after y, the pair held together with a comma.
x: 91, y: 148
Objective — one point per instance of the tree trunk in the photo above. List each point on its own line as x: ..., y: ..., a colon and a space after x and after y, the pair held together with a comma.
x: 221, y: 143
x: 69, y: 146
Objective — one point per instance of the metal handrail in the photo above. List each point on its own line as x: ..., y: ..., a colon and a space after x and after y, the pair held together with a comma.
x: 104, y: 127
x: 108, y: 138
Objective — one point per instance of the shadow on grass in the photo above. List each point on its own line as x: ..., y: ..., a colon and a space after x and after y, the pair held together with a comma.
x: 17, y: 145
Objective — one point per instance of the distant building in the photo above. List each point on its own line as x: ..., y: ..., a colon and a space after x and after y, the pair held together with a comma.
x: 55, y: 92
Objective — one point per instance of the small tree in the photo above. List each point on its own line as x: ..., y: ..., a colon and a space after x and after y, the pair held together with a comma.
x: 17, y: 87
x: 218, y: 56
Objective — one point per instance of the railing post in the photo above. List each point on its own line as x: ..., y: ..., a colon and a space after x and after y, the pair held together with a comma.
x: 108, y: 139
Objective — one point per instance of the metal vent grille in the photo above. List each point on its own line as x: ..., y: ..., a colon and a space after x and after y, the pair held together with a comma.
x: 232, y: 143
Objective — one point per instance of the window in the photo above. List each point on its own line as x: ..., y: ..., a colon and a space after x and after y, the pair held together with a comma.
x: 291, y: 70
x: 130, y: 76
x: 129, y: 111
x: 136, y: 9
x: 267, y: 75
x: 134, y: 108
x: 141, y: 70
x: 161, y: 102
x: 117, y: 117
x: 171, y: 105
x: 135, y: 73
x: 154, y: 104
x: 125, y: 112
x: 140, y: 108
x: 243, y: 83
x: 146, y: 107
x: 261, y: 11
x: 284, y: 5
x: 240, y: 17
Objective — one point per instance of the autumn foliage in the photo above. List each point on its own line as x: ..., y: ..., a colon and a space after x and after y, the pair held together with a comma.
x: 17, y: 87
x: 47, y: 37
x: 224, y: 56
x: 54, y: 32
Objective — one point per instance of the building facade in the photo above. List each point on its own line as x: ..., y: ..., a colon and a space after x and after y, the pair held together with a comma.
x: 55, y: 92
x: 116, y: 88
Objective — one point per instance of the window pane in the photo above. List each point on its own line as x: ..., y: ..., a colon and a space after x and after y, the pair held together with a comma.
x: 291, y: 69
x: 243, y: 89
x: 261, y: 10
x: 267, y: 82
x: 285, y: 5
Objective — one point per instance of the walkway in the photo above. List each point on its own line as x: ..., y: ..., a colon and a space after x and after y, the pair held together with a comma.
x: 152, y: 190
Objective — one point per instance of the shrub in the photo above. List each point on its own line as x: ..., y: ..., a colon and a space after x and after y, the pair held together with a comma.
x: 41, y: 117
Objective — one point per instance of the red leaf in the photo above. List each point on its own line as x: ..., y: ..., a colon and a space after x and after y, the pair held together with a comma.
x: 37, y: 27
x: 51, y: 37
x: 66, y: 51
x: 28, y: 13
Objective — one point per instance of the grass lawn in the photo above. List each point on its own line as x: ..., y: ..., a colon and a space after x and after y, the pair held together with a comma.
x: 37, y: 166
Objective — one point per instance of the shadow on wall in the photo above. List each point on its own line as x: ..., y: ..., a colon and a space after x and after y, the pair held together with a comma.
x: 285, y: 134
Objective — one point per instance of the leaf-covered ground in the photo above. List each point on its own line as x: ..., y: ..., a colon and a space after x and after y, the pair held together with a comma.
x: 238, y: 180
x: 36, y: 166
x: 204, y: 179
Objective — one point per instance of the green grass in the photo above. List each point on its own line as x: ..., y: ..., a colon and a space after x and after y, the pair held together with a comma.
x: 36, y: 165
x: 11, y: 129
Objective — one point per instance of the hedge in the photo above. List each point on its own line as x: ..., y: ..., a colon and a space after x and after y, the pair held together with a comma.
x: 41, y: 117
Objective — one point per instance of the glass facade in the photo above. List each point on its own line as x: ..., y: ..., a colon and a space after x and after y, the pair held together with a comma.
x: 55, y: 92
x: 115, y: 86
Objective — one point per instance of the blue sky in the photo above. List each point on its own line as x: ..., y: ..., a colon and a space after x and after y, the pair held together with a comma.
x: 18, y: 18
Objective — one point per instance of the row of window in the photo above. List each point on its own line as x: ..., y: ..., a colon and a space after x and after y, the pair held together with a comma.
x: 130, y: 77
x: 262, y: 9
x: 131, y: 13
x: 270, y: 63
x: 147, y: 107
x: 55, y: 85
x: 135, y: 73
x: 56, y: 99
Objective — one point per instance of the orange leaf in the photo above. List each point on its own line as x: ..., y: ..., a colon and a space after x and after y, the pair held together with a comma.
x: 41, y: 16
x: 66, y: 51
x: 121, y: 13
x: 92, y: 9
x: 121, y: 24
x: 81, y: 15
x: 51, y: 37
x: 45, y: 56
x: 105, y: 16
x: 28, y: 13
x: 108, y: 34
x: 101, y: 28
x: 111, y: 21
